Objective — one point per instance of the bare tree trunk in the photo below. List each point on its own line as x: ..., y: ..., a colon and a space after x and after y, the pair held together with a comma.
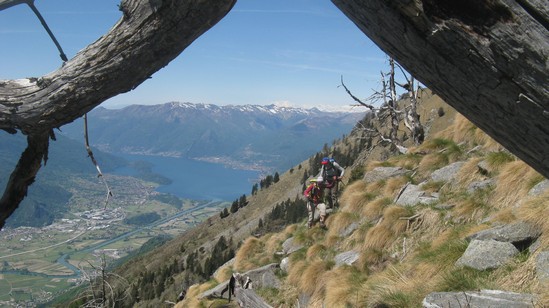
x: 147, y: 37
x: 393, y: 103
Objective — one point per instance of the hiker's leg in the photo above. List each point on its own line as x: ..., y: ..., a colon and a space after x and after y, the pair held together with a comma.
x: 335, y: 199
x: 311, y: 212
x: 329, y: 198
x: 322, y: 214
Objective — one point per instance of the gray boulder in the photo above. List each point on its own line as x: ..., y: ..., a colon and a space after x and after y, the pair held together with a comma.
x: 480, y: 185
x: 479, y: 299
x: 489, y: 254
x: 290, y: 246
x: 539, y: 188
x: 348, y: 257
x: 349, y: 229
x: 518, y: 234
x: 447, y: 174
x: 542, y: 266
x: 382, y: 173
x: 412, y: 195
x: 264, y: 277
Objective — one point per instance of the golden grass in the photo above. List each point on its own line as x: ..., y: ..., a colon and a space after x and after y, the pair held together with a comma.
x: 339, y: 221
x: 463, y: 131
x: 342, y: 287
x: 371, y: 165
x: 431, y: 162
x: 393, y: 186
x: 273, y: 242
x: 223, y: 274
x: 469, y: 172
x: 513, y: 184
x: 536, y: 210
x: 311, y: 278
x: 249, y: 249
x: 374, y: 210
x: 370, y: 258
x: 378, y: 237
x: 375, y: 187
x: 296, y: 271
x: 391, y: 218
x: 395, y: 287
x: 191, y: 299
x: 356, y: 199
x: 316, y: 252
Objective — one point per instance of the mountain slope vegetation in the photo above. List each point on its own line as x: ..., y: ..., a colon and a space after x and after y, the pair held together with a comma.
x: 402, y: 251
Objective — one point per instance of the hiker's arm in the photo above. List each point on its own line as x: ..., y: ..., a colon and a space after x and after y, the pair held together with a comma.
x: 340, y: 169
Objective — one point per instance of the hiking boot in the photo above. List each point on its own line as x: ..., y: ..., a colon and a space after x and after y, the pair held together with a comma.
x: 323, y: 226
x: 309, y: 225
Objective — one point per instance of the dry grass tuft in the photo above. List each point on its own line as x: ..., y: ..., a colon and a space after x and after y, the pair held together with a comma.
x: 463, y: 131
x: 191, y: 298
x: 223, y: 274
x: 378, y: 237
x: 374, y: 209
x: 514, y: 181
x: 392, y: 218
x: 353, y: 201
x: 376, y: 163
x: 289, y: 230
x: 273, y: 242
x: 342, y: 287
x: 250, y: 248
x: 311, y: 278
x: 469, y: 173
x: 316, y: 252
x: 296, y: 271
x: 375, y: 187
x: 431, y: 162
x: 536, y: 210
x: 393, y: 186
x: 370, y: 259
x: 340, y: 221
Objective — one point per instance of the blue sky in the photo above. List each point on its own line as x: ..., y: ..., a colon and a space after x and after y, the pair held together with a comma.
x: 264, y: 51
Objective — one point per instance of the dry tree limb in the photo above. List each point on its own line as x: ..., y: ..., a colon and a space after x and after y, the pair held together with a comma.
x: 144, y: 40
x: 24, y: 174
x: 356, y: 99
x: 90, y: 154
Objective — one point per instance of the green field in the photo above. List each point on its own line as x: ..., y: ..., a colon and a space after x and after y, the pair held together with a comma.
x: 28, y: 257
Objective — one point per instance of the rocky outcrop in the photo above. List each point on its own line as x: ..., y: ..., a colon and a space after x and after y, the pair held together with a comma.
x: 479, y: 299
x: 488, y: 59
x: 489, y: 254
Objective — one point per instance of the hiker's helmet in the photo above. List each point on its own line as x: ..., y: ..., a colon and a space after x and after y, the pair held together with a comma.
x: 325, y: 160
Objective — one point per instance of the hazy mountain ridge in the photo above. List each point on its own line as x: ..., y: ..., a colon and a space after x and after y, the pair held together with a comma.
x: 247, y: 134
x: 48, y: 196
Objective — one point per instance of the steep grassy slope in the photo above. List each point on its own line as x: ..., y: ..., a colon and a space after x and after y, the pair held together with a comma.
x: 406, y: 252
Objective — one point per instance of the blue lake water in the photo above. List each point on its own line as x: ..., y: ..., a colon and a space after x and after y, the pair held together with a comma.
x: 197, y: 180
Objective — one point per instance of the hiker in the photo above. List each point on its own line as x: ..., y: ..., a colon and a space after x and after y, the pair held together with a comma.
x: 315, y: 197
x: 332, y: 172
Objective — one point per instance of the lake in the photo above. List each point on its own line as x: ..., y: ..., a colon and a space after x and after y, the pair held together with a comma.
x: 197, y: 180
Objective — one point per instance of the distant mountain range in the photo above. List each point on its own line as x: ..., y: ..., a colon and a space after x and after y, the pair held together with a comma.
x: 248, y: 136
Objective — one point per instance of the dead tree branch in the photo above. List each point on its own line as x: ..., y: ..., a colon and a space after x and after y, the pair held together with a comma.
x: 143, y: 41
x: 90, y: 154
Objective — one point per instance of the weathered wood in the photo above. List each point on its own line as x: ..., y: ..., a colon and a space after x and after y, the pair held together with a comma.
x: 147, y: 37
x: 486, y: 58
x: 143, y: 41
